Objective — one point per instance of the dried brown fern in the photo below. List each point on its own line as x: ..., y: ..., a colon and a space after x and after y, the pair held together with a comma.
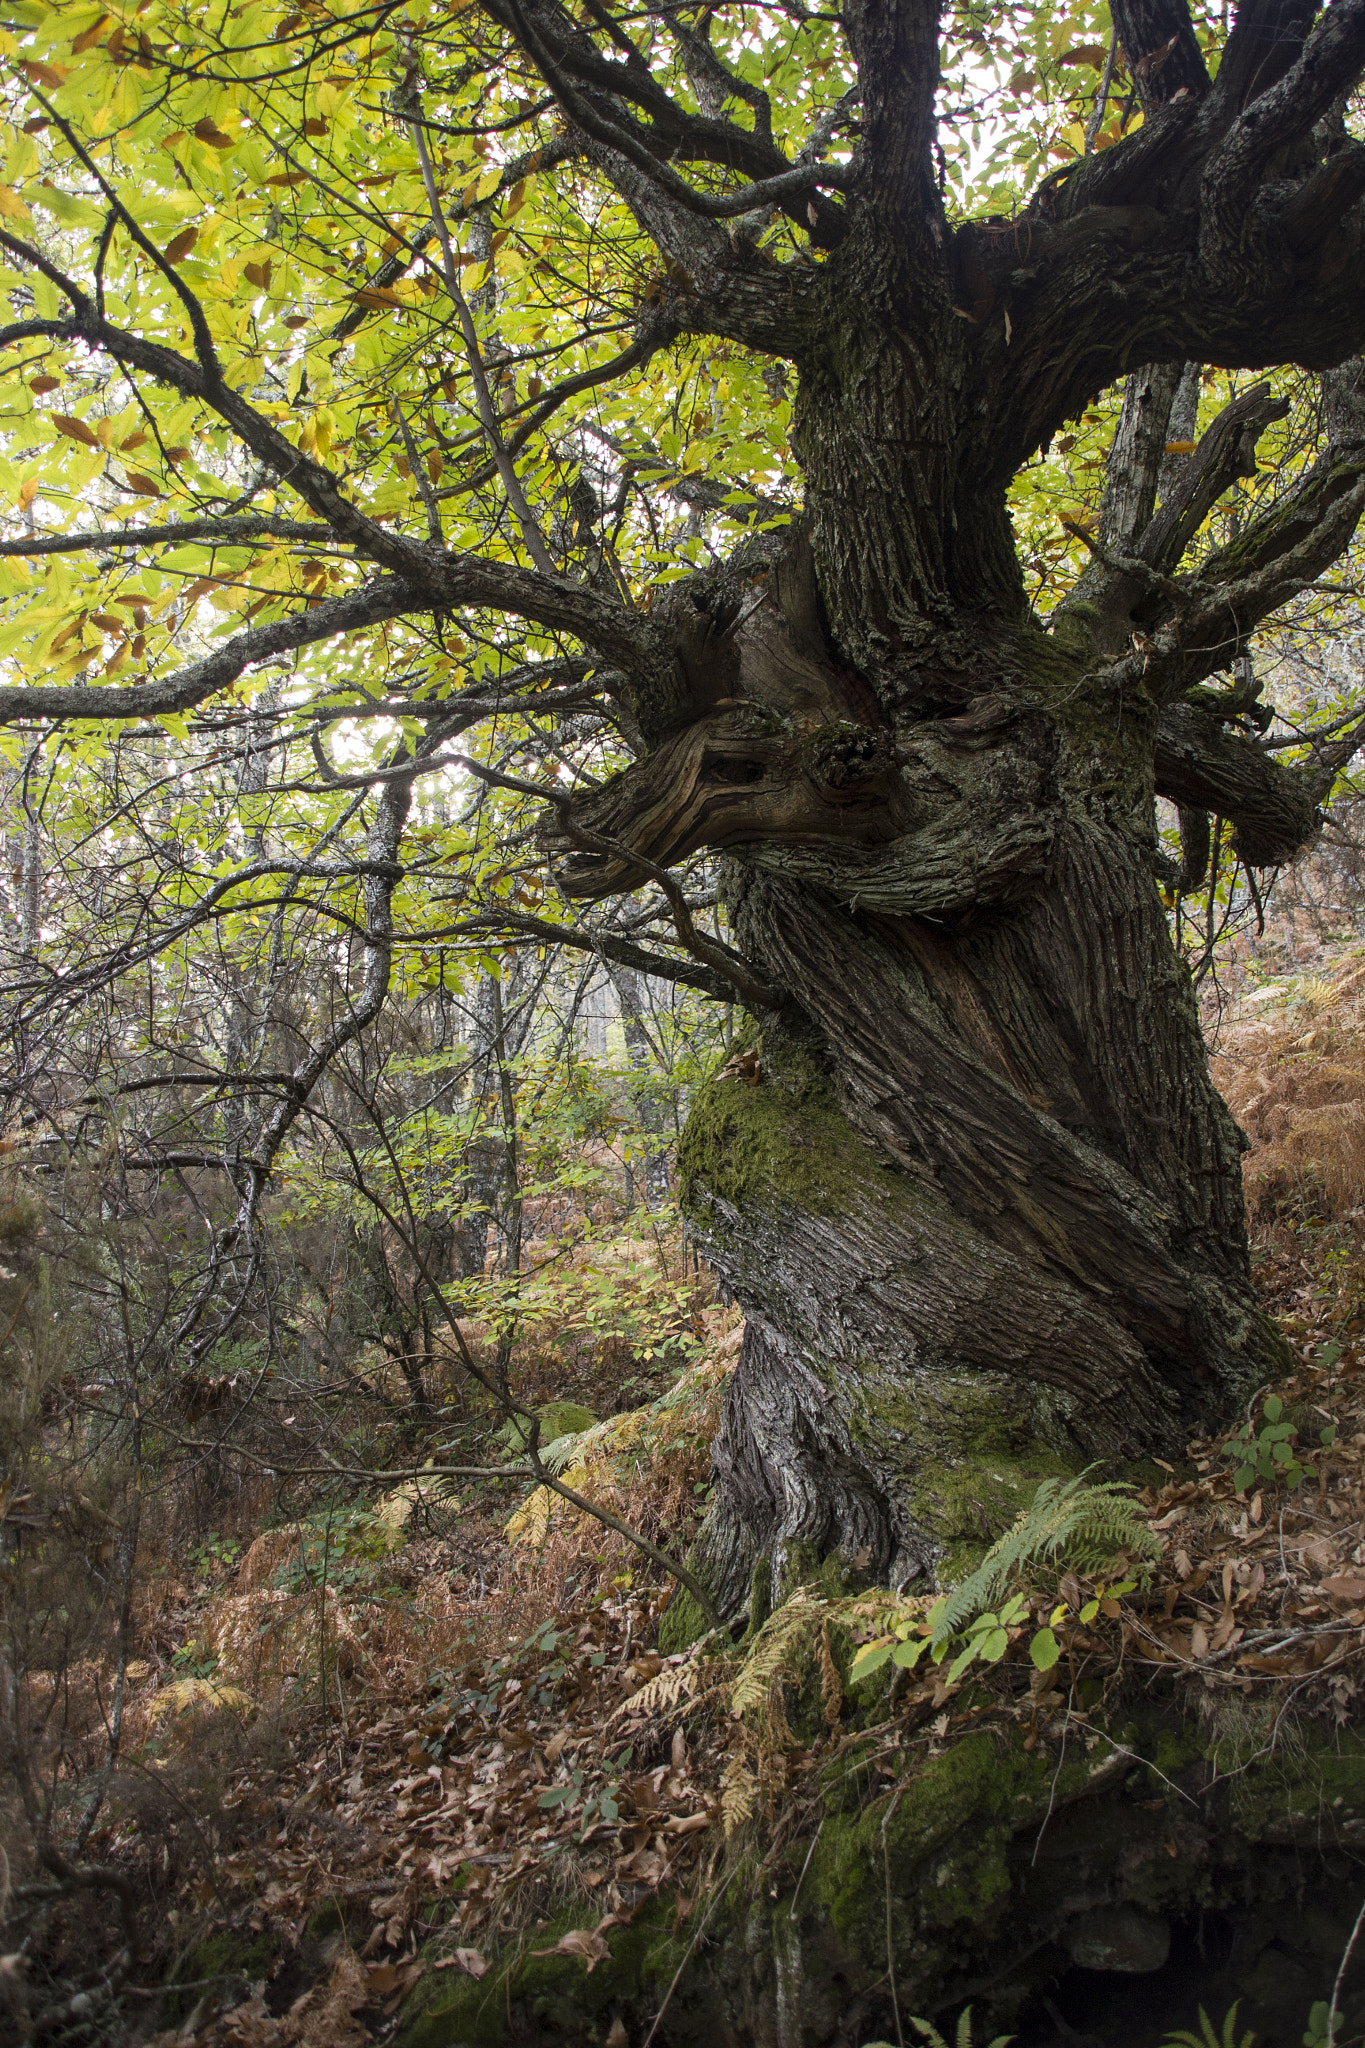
x: 1296, y: 1084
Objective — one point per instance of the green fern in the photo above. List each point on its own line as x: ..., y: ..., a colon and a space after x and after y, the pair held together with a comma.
x: 1186, y: 2037
x: 930, y: 2034
x: 1075, y: 1521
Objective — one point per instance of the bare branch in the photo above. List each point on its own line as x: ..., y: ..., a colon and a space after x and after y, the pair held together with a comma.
x: 511, y: 482
x: 606, y: 945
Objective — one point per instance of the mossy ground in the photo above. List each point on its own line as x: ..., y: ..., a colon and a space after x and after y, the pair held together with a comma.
x: 236, y: 1952
x: 984, y: 1846
x: 548, y: 1997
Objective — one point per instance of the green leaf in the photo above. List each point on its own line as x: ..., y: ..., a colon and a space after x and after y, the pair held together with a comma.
x: 962, y: 1660
x: 1044, y: 1649
x: 1273, y: 1408
x: 1242, y: 1478
x: 870, y: 1658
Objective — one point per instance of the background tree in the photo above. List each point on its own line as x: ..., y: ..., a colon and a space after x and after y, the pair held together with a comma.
x: 415, y: 390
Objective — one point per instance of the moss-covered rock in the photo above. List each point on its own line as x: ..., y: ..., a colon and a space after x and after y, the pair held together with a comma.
x: 959, y: 1861
x: 530, y: 1994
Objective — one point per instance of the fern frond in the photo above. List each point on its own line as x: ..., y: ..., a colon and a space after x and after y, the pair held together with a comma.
x: 1186, y: 2037
x: 1074, y: 1521
x: 772, y: 1651
x: 932, y: 2038
x: 184, y: 1695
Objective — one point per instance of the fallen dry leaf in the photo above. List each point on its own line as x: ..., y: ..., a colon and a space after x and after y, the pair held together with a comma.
x: 467, y: 1959
x: 581, y: 1942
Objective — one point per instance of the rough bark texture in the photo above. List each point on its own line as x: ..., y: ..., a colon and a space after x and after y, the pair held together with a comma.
x: 981, y: 1203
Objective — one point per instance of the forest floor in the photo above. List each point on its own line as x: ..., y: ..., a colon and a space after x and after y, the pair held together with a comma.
x: 337, y: 1781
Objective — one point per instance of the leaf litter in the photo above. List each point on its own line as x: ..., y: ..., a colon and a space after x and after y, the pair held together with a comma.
x: 562, y: 1761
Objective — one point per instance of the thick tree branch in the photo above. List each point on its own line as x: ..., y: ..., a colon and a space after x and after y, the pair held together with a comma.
x: 1199, y: 626
x: 232, y: 529
x: 1121, y: 587
x: 386, y: 598
x: 569, y: 59
x: 1223, y: 237
x: 1266, y: 40
x: 1227, y: 451
x: 895, y: 44
x: 1159, y: 43
x: 1328, y: 66
x: 1202, y: 765
x: 713, y: 284
x: 1128, y: 499
x: 624, y: 138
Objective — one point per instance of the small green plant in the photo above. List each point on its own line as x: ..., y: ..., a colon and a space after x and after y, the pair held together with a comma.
x: 1078, y: 1523
x: 1045, y: 1649
x: 1269, y: 1456
x: 345, y: 1548
x: 962, y: 2037
x: 1084, y: 1524
x: 986, y: 1637
x: 1318, y: 2032
x: 223, y: 1552
x: 193, y: 1660
x: 1186, y: 2037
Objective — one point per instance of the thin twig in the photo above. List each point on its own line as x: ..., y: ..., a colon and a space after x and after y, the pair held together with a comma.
x: 791, y: 1910
x: 1332, y: 2010
x: 890, y: 1945
x: 1092, y: 126
x: 483, y: 398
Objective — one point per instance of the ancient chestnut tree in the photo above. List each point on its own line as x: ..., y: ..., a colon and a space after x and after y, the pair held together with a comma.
x: 617, y: 410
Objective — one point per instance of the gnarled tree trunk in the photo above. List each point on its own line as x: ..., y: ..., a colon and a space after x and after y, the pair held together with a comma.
x: 978, y: 1196
x: 971, y: 1181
